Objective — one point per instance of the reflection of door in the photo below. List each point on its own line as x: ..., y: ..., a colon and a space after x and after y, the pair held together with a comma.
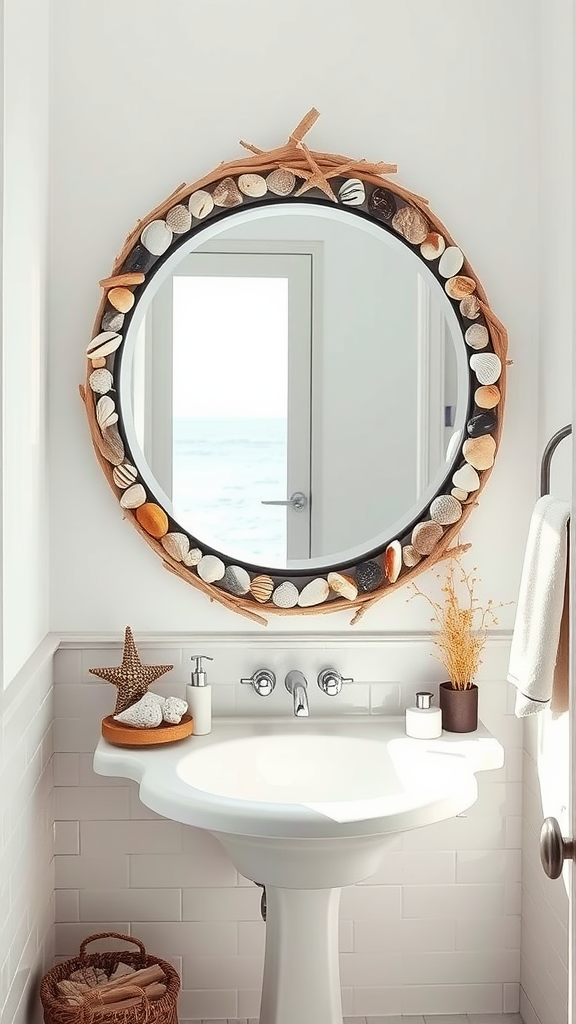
x: 437, y: 386
x: 229, y: 427
x: 332, y: 370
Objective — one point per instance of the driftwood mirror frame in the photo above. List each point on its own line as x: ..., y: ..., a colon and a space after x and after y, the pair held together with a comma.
x: 283, y: 174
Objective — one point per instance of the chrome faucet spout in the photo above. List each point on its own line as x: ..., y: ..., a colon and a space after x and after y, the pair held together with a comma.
x: 297, y: 685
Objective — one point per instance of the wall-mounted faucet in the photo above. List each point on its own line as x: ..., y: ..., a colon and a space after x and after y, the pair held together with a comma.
x: 297, y: 685
x: 263, y: 681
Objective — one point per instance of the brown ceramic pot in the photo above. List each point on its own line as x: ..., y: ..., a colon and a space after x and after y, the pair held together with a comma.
x: 459, y: 708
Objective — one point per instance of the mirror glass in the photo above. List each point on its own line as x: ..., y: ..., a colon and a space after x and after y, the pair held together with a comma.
x: 297, y: 385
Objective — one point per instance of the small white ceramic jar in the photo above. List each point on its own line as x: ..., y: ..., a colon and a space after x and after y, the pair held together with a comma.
x: 423, y: 721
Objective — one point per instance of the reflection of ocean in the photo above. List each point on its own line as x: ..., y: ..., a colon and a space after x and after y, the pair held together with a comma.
x: 222, y: 470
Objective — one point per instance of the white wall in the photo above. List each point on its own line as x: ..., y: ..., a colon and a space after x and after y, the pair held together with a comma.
x: 24, y: 222
x: 546, y: 773
x: 435, y: 87
x: 435, y: 930
x: 26, y: 838
x: 26, y: 813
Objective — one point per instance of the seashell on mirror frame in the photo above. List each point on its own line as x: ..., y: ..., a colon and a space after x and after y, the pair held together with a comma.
x: 280, y: 176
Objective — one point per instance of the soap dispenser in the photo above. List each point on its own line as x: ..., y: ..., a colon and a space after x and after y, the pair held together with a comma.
x: 424, y: 722
x: 199, y: 696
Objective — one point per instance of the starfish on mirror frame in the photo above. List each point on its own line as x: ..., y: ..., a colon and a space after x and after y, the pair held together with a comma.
x: 131, y: 677
x: 315, y: 177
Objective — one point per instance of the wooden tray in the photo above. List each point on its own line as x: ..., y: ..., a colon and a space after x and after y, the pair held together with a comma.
x: 127, y: 736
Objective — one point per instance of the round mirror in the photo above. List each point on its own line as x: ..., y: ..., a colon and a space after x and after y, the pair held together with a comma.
x: 294, y: 349
x: 295, y: 383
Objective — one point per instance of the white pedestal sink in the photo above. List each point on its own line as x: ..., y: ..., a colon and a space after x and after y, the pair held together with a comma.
x: 305, y: 807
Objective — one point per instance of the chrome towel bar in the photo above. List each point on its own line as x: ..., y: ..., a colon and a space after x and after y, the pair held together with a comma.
x: 547, y: 457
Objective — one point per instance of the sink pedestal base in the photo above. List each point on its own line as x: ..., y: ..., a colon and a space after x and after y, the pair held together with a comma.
x: 303, y: 879
x: 301, y: 971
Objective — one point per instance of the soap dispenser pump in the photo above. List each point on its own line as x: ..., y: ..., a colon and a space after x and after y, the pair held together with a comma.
x: 199, y: 696
x: 424, y: 722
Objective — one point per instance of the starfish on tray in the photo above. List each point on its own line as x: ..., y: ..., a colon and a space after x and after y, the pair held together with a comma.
x: 131, y: 677
x: 315, y: 177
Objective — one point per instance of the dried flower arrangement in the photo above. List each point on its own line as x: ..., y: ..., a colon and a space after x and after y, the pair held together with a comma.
x: 463, y: 623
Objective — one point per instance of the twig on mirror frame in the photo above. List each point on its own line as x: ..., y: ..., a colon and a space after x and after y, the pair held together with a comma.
x: 222, y: 597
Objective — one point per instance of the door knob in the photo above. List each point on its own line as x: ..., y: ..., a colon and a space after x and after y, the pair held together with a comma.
x: 554, y: 848
x: 297, y: 501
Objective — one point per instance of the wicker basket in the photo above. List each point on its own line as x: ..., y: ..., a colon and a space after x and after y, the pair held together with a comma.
x: 159, y: 1011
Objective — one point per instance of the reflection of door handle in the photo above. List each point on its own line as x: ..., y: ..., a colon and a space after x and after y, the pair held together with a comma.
x: 297, y: 501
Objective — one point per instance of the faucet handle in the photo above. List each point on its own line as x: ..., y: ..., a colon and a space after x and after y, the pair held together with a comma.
x: 262, y: 681
x: 330, y: 681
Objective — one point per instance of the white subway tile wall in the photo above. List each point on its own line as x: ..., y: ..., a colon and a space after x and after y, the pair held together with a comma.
x: 27, y: 906
x: 435, y: 931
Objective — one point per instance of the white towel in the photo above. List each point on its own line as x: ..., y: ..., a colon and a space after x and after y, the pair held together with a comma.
x: 540, y: 604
